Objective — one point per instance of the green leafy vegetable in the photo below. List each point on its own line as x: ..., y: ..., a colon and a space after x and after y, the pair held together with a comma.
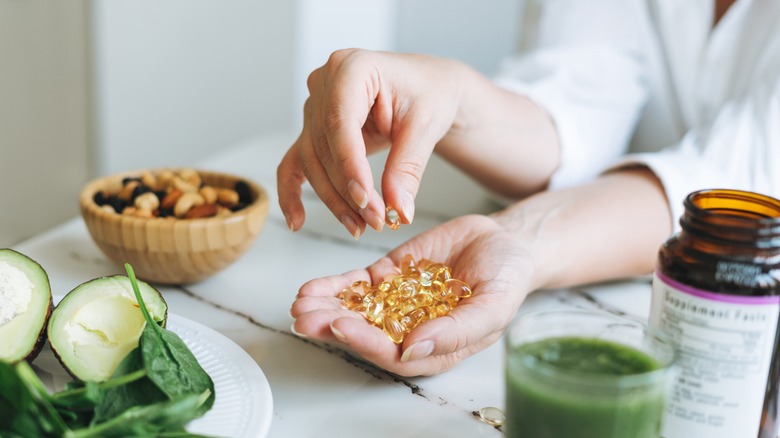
x: 25, y: 413
x: 170, y: 364
x: 149, y: 420
x: 122, y: 397
x: 155, y: 391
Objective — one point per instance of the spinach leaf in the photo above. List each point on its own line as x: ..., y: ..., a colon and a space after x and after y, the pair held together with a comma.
x: 168, y: 361
x: 26, y: 410
x: 119, y: 398
x: 148, y: 420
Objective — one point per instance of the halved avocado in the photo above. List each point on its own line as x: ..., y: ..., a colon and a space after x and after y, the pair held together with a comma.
x: 96, y: 324
x: 25, y: 306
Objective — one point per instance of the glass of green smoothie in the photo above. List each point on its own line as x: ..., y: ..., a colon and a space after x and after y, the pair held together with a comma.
x: 579, y: 373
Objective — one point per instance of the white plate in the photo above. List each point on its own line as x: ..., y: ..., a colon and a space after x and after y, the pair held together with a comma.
x: 243, y: 406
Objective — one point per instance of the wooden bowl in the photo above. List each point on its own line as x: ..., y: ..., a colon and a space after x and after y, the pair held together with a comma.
x: 170, y: 250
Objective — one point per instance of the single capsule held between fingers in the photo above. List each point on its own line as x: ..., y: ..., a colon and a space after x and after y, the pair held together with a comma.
x: 392, y: 218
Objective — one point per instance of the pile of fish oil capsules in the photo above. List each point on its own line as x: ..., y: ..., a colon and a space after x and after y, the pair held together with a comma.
x: 419, y: 291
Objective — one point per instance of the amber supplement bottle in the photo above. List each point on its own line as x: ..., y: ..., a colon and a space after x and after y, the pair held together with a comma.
x: 716, y: 291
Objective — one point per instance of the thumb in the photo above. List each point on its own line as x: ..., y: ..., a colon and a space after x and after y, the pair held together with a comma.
x: 467, y: 330
x: 404, y: 168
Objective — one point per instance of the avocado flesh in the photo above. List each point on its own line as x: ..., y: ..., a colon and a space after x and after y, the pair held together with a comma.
x: 94, y: 327
x: 27, y: 302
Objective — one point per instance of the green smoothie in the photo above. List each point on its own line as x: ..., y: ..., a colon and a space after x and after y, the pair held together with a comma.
x: 578, y: 387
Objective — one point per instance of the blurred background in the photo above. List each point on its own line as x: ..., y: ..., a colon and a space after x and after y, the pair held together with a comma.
x: 90, y: 87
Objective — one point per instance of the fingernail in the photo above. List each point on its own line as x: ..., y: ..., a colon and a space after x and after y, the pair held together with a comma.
x: 417, y: 351
x: 407, y: 206
x: 289, y: 223
x: 372, y: 218
x: 340, y: 336
x: 358, y: 193
x: 351, y: 226
x: 293, y: 331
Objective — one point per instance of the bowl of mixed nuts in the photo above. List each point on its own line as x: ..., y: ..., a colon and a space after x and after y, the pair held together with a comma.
x: 174, y: 225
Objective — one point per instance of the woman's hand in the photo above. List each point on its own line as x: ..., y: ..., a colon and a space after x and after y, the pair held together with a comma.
x: 361, y: 102
x: 478, y: 250
x: 607, y: 229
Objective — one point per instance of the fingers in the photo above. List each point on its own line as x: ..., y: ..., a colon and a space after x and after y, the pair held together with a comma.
x: 349, y: 99
x: 332, y: 150
x: 289, y: 179
x: 359, y: 102
x: 405, y: 165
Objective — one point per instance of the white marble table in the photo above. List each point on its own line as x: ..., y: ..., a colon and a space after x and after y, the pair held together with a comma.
x: 318, y: 390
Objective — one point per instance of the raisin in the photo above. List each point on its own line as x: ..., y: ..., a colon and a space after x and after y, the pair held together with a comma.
x: 244, y: 193
x: 139, y: 190
x: 160, y: 194
x: 118, y: 204
x: 100, y: 198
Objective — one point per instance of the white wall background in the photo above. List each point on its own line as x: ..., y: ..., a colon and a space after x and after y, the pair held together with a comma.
x: 171, y: 82
x: 44, y: 114
x: 176, y: 80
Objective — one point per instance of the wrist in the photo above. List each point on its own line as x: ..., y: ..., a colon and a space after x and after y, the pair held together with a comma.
x: 526, y: 223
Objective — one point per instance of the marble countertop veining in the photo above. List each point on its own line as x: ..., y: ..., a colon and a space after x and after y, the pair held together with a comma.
x: 320, y: 390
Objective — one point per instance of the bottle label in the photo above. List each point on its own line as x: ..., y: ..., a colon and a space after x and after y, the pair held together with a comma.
x: 724, y: 344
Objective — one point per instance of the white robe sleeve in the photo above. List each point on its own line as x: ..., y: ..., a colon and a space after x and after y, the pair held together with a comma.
x: 740, y: 149
x: 586, y: 71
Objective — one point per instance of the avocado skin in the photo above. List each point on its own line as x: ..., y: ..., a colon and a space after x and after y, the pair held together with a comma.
x: 42, y: 335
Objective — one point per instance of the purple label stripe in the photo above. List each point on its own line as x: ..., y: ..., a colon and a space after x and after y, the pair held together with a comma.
x: 713, y: 296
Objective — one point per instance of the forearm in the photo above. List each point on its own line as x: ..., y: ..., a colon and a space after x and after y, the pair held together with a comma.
x: 610, y: 228
x: 502, y: 139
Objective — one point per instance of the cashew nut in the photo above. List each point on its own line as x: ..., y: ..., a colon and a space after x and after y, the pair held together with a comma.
x: 147, y: 201
x: 209, y: 194
x: 227, y: 197
x: 184, y: 186
x: 186, y: 202
x: 191, y: 177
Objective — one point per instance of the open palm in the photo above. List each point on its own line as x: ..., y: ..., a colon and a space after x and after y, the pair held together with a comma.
x: 478, y: 250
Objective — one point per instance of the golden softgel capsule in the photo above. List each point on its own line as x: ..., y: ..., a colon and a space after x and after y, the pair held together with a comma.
x: 419, y: 291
